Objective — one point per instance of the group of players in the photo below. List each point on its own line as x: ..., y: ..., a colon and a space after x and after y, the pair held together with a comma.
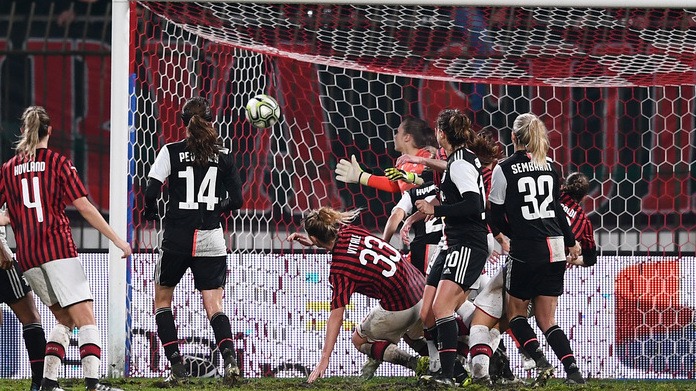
x: 36, y: 184
x: 426, y: 299
x: 455, y: 310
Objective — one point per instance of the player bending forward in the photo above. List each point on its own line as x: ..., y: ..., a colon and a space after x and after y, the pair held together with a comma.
x: 368, y: 265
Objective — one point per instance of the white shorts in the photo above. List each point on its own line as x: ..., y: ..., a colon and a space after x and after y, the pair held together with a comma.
x: 383, y: 325
x: 477, y: 286
x: 62, y: 281
x: 490, y: 298
x: 490, y: 240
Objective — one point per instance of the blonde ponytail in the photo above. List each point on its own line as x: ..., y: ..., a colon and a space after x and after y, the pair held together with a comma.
x: 531, y: 133
x: 35, y: 123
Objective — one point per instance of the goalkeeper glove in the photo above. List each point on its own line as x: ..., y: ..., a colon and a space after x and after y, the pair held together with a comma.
x: 350, y: 172
x: 396, y: 174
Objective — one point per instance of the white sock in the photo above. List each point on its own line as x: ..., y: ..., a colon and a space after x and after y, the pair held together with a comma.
x: 495, y: 339
x: 60, y: 335
x: 89, y: 341
x: 434, y: 356
x: 479, y: 335
x: 466, y: 312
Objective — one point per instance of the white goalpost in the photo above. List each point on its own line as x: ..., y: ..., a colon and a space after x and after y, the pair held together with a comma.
x: 118, y: 192
x: 615, y: 83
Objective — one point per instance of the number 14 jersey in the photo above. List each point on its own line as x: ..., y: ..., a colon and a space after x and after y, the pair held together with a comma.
x: 195, y: 193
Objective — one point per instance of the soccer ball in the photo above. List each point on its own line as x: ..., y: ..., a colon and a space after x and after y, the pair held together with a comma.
x: 262, y: 111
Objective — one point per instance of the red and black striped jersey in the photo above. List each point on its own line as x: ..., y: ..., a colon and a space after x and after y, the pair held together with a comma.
x: 487, y: 176
x: 578, y: 221
x: 368, y: 265
x: 36, y: 194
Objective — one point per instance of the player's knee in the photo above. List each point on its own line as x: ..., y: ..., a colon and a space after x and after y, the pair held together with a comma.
x: 357, y: 339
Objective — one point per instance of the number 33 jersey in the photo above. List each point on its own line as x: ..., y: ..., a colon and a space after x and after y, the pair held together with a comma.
x: 195, y: 193
x: 36, y: 193
x: 368, y: 265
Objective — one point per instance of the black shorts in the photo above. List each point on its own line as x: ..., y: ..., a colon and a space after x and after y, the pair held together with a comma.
x: 12, y: 285
x: 433, y: 277
x: 464, y: 265
x: 208, y: 272
x: 528, y: 280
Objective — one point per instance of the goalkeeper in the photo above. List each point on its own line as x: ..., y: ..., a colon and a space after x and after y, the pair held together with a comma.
x: 413, y: 137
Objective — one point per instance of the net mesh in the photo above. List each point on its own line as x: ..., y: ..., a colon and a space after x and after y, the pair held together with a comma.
x: 614, y: 87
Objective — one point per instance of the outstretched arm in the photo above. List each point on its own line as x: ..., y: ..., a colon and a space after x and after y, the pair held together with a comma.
x: 333, y: 328
x: 396, y: 217
x: 301, y: 239
x: 418, y: 216
x: 434, y: 164
x: 92, y: 215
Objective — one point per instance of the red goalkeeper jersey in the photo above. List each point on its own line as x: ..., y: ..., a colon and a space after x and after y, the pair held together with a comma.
x: 384, y: 183
x: 366, y: 264
x: 36, y: 194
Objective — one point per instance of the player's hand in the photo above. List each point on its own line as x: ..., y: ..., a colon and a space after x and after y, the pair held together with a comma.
x: 350, y: 171
x: 125, y: 247
x: 503, y: 242
x: 150, y: 214
x: 4, y: 218
x: 575, y: 251
x: 425, y: 207
x: 395, y: 174
x: 5, y: 258
x: 301, y: 239
x: 406, y: 158
x: 319, y: 370
x: 404, y: 233
x: 575, y: 262
x: 224, y: 206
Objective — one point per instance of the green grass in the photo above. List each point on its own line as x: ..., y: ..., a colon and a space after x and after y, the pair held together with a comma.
x: 353, y: 384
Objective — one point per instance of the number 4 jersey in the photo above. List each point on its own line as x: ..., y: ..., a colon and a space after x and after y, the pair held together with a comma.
x: 368, y: 265
x: 36, y: 194
x: 195, y: 192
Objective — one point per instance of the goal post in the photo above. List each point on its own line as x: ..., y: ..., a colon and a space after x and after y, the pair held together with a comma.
x: 121, y: 123
x: 615, y: 86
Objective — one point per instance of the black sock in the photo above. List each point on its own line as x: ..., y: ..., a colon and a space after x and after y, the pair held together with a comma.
x: 166, y: 330
x: 91, y: 383
x: 35, y: 342
x: 419, y: 345
x: 430, y: 334
x: 561, y: 346
x: 223, y: 334
x: 525, y: 336
x: 447, y: 334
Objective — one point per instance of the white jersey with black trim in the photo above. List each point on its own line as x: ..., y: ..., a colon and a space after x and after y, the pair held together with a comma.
x: 463, y: 175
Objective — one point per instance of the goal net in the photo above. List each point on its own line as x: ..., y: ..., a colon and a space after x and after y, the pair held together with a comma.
x: 615, y: 87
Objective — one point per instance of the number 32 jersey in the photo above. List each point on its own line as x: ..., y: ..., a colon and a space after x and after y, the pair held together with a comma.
x: 36, y: 194
x: 530, y: 194
x: 368, y: 265
x: 195, y: 193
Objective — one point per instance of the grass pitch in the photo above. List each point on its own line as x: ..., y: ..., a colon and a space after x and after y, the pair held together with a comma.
x: 353, y: 384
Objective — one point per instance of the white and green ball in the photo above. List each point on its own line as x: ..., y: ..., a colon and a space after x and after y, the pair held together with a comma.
x: 262, y: 111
